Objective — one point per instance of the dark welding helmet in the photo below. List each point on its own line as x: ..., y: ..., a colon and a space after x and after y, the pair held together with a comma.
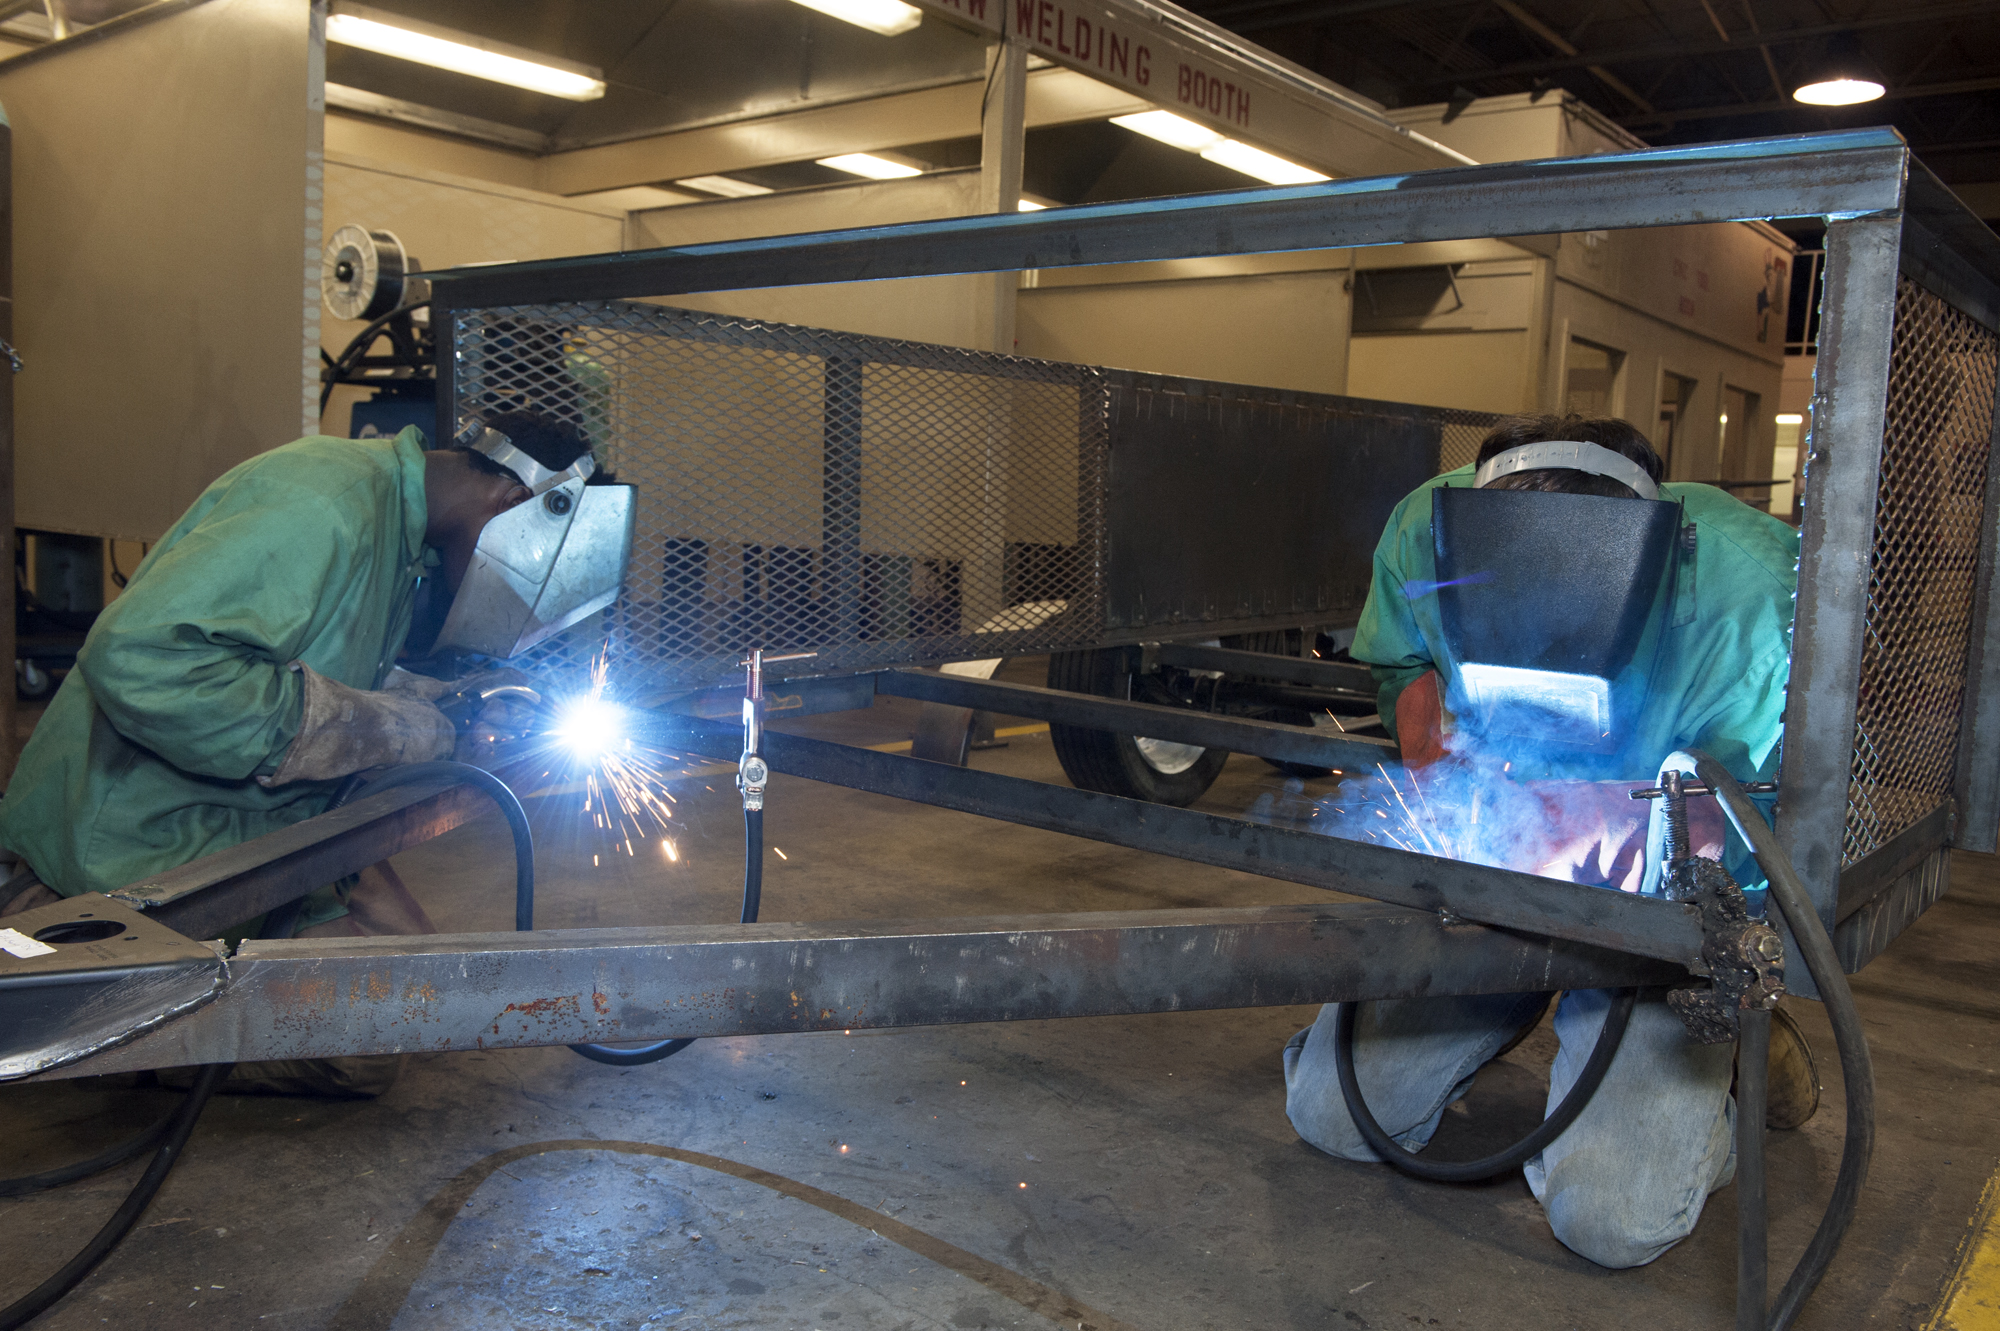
x: 544, y: 564
x: 1552, y: 604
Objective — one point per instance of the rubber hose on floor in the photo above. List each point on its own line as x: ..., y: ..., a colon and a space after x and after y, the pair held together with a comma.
x: 179, y: 1128
x: 1857, y: 1073
x: 753, y: 893
x: 1609, y: 1037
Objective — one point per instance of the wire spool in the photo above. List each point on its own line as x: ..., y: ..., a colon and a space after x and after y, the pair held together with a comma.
x: 361, y: 273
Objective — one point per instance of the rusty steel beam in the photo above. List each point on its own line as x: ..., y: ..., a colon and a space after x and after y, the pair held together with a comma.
x: 204, y: 897
x: 311, y: 998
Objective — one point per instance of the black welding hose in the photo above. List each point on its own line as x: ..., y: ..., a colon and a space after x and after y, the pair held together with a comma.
x: 172, y: 1132
x: 178, y: 1129
x: 500, y: 793
x: 1857, y: 1071
x: 1609, y: 1037
x: 753, y: 893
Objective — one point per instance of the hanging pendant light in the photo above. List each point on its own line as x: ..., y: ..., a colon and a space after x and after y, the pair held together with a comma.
x: 1845, y: 77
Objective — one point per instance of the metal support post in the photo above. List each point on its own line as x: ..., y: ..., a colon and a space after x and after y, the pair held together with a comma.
x: 1850, y: 403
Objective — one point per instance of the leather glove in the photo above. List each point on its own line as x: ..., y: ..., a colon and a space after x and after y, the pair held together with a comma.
x: 344, y: 730
x: 1595, y: 832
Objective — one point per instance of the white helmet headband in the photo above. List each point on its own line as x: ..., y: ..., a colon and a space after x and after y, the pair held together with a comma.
x: 483, y: 438
x: 1572, y: 454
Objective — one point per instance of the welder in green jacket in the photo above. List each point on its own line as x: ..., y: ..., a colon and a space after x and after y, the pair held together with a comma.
x: 249, y: 666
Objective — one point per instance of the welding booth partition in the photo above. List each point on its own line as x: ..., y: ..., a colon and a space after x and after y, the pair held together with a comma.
x: 885, y: 503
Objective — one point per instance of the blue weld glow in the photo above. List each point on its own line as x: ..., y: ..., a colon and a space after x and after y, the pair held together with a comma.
x: 591, y: 728
x: 1416, y: 588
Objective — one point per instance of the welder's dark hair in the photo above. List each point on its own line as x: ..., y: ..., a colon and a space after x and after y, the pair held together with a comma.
x: 553, y: 443
x: 1620, y: 437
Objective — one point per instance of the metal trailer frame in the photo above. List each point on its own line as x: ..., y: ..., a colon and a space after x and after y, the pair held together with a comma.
x: 127, y: 988
x: 1891, y: 226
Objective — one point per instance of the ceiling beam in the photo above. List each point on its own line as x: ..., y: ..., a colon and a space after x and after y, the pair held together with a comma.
x: 1747, y: 41
x: 1670, y: 115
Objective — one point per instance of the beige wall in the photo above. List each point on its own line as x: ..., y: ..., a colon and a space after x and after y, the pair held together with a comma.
x: 163, y: 246
x: 1275, y: 330
x: 355, y: 136
x: 946, y: 310
x: 1478, y: 371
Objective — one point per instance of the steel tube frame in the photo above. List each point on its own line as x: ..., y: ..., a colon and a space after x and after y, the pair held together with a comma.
x: 315, y: 998
x: 1265, y: 739
x: 1644, y: 926
x: 1805, y: 176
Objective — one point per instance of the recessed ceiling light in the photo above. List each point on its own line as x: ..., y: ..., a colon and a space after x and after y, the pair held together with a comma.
x: 1839, y: 92
x: 888, y: 17
x: 723, y: 185
x: 1030, y: 206
x: 462, y: 53
x: 1791, y: 418
x: 1188, y: 136
x: 871, y: 166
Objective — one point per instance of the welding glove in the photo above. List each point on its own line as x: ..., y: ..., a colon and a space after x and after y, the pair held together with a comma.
x: 344, y: 730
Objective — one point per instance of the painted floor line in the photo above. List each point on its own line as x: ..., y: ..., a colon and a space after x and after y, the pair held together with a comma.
x: 1971, y: 1300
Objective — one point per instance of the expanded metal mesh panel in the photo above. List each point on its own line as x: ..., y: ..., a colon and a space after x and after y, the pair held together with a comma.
x: 876, y: 502
x: 1464, y: 431
x: 1925, y: 557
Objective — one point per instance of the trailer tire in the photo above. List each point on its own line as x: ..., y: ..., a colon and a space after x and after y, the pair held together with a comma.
x: 1115, y: 764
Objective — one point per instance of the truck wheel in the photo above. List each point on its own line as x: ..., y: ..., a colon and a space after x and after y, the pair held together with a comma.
x: 1133, y: 766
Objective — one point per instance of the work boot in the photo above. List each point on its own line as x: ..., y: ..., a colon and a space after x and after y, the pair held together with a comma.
x: 1792, y: 1094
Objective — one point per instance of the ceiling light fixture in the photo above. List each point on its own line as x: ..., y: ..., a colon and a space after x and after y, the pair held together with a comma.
x: 888, y: 17
x: 1029, y: 206
x: 723, y: 185
x: 871, y: 166
x: 1185, y: 134
x: 1844, y: 75
x: 1791, y: 418
x: 462, y: 53
x: 1839, y: 92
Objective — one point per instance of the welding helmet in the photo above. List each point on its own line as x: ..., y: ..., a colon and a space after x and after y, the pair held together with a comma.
x: 545, y: 563
x: 1552, y: 604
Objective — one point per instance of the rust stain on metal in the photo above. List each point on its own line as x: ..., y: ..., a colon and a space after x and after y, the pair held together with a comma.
x: 600, y: 1001
x: 555, y: 1007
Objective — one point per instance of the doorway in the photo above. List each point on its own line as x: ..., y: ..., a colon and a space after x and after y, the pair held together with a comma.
x: 1676, y: 398
x: 1592, y: 378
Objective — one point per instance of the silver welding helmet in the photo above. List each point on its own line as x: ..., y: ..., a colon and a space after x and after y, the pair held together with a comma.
x: 1552, y: 604
x: 544, y: 564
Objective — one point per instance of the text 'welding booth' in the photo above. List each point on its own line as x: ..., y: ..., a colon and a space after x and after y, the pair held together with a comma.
x: 882, y: 504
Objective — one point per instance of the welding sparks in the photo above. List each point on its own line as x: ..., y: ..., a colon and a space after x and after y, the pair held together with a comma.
x: 598, y: 738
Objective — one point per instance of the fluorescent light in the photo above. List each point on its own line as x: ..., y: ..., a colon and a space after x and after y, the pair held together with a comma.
x: 1170, y: 129
x: 1838, y: 92
x: 871, y: 166
x: 462, y: 53
x: 1029, y: 206
x: 887, y: 17
x: 1185, y: 134
x: 723, y: 185
x: 1790, y: 418
x: 1256, y: 162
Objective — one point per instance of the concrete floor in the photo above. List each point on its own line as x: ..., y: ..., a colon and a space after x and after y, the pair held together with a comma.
x: 1132, y: 1172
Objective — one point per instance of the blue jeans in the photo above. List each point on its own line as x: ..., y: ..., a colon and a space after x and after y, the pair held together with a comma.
x: 1621, y: 1186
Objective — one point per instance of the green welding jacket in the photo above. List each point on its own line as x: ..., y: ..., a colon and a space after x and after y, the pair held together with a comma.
x: 148, y: 755
x: 1718, y: 681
